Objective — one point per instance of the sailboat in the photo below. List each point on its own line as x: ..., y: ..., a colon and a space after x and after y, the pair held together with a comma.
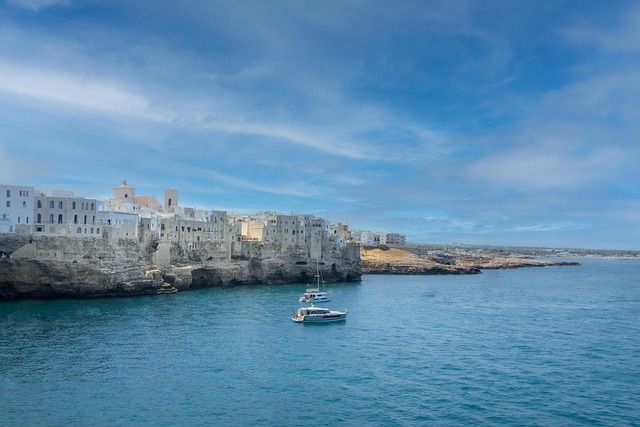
x: 313, y: 295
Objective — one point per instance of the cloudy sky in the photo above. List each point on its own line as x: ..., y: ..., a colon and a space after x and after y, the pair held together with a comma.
x: 497, y: 122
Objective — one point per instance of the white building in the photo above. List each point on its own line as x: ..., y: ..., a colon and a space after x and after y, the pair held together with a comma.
x: 123, y: 200
x: 16, y: 209
x: 60, y: 212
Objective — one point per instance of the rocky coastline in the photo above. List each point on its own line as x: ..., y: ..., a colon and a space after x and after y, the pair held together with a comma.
x: 45, y: 267
x: 399, y: 261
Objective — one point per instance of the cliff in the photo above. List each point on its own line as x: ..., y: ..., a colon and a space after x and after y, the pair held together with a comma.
x: 398, y: 261
x: 68, y: 267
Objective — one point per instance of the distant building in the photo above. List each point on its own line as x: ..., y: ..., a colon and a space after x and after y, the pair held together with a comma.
x: 123, y: 199
x: 16, y: 209
x: 369, y: 238
x: 60, y: 212
x: 170, y: 199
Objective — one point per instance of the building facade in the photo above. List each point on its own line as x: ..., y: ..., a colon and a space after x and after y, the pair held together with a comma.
x: 16, y: 209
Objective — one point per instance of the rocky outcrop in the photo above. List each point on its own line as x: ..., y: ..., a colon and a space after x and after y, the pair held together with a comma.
x: 397, y: 261
x: 495, y: 263
x: 65, y: 267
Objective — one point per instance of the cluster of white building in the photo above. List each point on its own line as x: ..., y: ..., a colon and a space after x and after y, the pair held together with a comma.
x: 376, y: 238
x: 126, y: 215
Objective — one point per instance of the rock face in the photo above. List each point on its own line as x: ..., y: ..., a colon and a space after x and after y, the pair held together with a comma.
x: 67, y: 267
x: 397, y: 261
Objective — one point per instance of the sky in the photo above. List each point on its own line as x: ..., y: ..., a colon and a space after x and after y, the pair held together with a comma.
x: 494, y: 122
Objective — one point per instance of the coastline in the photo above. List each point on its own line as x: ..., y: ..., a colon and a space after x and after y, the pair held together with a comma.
x: 401, y: 261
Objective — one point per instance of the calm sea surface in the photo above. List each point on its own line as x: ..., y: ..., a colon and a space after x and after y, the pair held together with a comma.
x: 541, y: 346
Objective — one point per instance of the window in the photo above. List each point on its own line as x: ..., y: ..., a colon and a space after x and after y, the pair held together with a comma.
x: 39, y: 219
x: 24, y: 204
x: 39, y: 204
x: 79, y: 230
x: 92, y: 206
x: 60, y: 219
x: 27, y: 220
x: 8, y: 203
x: 73, y: 205
x: 85, y: 219
x: 51, y: 218
x: 8, y: 193
x: 60, y: 204
x: 18, y: 220
x: 75, y: 219
x: 51, y: 204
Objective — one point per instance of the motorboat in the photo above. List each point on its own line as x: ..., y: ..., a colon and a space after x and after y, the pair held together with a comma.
x: 318, y: 315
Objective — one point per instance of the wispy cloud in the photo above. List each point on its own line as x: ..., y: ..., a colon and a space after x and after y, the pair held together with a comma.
x: 38, y: 5
x: 621, y: 36
x: 545, y: 166
x: 82, y: 92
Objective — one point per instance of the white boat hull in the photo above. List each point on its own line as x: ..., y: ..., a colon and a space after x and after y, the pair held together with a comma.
x: 318, y: 315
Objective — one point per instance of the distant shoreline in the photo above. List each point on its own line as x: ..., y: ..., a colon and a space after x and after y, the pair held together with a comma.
x: 402, y: 261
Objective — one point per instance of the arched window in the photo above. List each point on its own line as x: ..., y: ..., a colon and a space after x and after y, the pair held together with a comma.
x: 39, y: 218
x: 73, y: 205
x: 79, y: 230
x: 60, y: 204
x: 75, y: 219
x: 51, y: 218
x: 60, y: 219
x: 52, y: 204
x: 92, y: 206
x: 39, y: 204
x: 91, y: 230
x: 85, y: 219
x: 97, y: 231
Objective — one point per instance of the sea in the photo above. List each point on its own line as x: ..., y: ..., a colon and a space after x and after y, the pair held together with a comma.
x: 553, y: 346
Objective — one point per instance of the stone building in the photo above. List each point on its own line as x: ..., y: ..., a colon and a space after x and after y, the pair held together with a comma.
x: 16, y: 209
x: 60, y: 212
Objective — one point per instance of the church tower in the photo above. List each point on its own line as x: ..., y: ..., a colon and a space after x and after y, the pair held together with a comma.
x: 170, y: 199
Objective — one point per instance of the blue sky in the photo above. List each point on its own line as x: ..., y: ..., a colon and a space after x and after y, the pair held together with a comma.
x: 494, y: 122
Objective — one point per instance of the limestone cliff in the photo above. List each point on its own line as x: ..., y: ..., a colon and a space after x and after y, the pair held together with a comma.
x: 398, y: 261
x: 67, y: 267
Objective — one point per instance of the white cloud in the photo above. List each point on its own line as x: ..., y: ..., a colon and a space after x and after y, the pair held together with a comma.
x: 297, y: 189
x: 615, y: 93
x: 623, y: 37
x: 38, y: 5
x: 546, y: 166
x: 78, y: 91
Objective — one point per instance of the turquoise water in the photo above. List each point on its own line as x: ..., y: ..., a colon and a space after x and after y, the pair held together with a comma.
x: 541, y: 346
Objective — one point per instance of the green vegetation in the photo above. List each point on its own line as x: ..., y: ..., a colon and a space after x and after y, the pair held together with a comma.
x: 383, y: 247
